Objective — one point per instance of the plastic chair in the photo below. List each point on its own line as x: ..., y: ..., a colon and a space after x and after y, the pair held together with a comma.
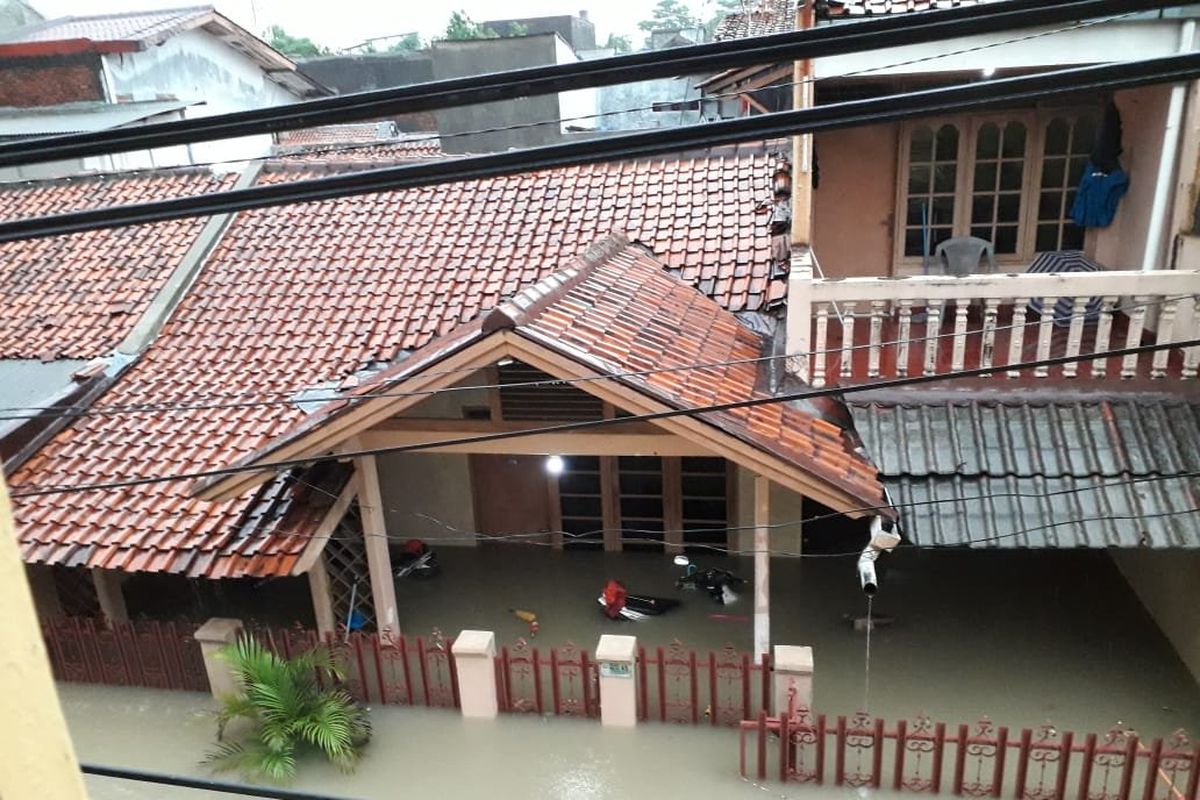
x: 961, y: 255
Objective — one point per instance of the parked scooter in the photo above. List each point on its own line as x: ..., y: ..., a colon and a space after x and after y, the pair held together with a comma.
x: 417, y: 561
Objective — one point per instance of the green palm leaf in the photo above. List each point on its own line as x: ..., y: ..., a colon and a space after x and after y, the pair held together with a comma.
x: 288, y: 712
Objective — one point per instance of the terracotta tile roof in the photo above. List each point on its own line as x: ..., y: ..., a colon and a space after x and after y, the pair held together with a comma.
x: 127, y: 26
x: 617, y: 311
x: 763, y: 18
x: 625, y: 314
x: 331, y: 134
x: 862, y: 8
x: 297, y: 295
x: 320, y: 144
x: 78, y: 296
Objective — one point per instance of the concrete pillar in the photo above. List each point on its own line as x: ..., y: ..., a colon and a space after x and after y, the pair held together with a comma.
x: 322, y: 598
x: 43, y: 589
x: 793, y: 669
x: 108, y: 592
x: 617, y: 657
x: 762, y: 566
x: 379, y: 560
x: 213, y: 637
x: 475, y: 662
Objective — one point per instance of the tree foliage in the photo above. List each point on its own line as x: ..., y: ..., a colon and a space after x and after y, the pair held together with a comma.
x: 516, y: 29
x: 287, y: 714
x: 620, y: 44
x: 295, y: 46
x: 669, y: 15
x: 406, y: 44
x: 463, y: 28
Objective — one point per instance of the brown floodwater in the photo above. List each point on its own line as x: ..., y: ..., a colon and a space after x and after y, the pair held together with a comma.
x: 1024, y: 637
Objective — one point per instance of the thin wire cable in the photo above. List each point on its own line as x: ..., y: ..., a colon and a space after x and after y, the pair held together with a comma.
x: 889, y: 383
x: 290, y: 396
x: 596, y: 535
x: 295, y: 156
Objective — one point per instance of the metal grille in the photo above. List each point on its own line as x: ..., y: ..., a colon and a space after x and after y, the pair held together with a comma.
x: 349, y: 576
x: 76, y: 592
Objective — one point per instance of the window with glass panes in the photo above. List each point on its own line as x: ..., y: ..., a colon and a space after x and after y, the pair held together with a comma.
x: 932, y: 181
x: 580, y: 499
x: 997, y: 184
x: 640, y: 497
x: 1008, y: 178
x: 1065, y: 146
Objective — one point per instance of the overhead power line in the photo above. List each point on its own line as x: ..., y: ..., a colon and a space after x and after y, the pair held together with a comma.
x: 1000, y: 92
x: 810, y: 394
x: 876, y: 34
x: 308, y: 395
x: 294, y: 157
x: 206, y: 784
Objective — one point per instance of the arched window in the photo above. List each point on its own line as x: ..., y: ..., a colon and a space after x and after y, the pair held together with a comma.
x: 997, y: 183
x: 1065, y: 146
x: 932, y: 180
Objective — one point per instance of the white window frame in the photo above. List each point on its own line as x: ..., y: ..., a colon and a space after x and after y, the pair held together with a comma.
x: 1035, y: 121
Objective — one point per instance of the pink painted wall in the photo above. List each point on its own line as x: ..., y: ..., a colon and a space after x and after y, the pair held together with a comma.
x: 1143, y: 114
x: 852, y: 209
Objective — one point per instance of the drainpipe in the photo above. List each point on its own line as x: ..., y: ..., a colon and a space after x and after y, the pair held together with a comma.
x: 882, y: 539
x: 1165, y: 180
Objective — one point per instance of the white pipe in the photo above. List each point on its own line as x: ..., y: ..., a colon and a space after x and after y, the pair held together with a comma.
x: 881, y: 540
x: 1165, y: 180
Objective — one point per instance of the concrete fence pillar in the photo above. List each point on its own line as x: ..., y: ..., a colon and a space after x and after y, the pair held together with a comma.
x: 213, y: 636
x: 475, y: 662
x: 793, y: 670
x: 617, y: 660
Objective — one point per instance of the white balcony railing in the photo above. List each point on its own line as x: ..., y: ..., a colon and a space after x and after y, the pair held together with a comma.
x: 933, y: 324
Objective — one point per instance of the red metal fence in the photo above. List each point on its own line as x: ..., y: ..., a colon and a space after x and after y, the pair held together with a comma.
x: 380, y: 668
x: 677, y: 684
x: 157, y: 655
x: 982, y: 760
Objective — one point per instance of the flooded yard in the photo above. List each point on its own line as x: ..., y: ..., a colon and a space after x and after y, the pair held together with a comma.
x: 1025, y: 637
x: 422, y: 753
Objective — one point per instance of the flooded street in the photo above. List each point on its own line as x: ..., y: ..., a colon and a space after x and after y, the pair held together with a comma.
x: 424, y: 753
x: 1023, y: 637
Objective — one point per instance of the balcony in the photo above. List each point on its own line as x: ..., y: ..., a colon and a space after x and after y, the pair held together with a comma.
x: 854, y: 329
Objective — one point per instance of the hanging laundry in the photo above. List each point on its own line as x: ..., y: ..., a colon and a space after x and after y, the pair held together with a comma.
x: 1098, y: 196
x: 1104, y: 183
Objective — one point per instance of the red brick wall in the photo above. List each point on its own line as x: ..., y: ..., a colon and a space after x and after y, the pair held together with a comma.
x: 49, y: 81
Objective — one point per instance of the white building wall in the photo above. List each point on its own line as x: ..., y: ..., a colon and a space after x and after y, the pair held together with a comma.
x: 576, y: 103
x: 196, y: 66
x: 1098, y: 43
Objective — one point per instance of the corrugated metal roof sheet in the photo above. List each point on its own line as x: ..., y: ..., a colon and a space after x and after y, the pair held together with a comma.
x: 1086, y: 472
x: 77, y: 117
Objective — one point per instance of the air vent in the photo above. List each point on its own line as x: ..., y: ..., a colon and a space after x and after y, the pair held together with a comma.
x: 519, y: 400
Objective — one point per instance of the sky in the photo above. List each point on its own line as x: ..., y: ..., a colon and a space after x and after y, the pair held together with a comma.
x: 340, y: 23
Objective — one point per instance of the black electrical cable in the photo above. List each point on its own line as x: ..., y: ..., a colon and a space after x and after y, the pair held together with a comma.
x: 829, y: 391
x: 907, y: 105
x: 874, y: 34
x: 206, y: 784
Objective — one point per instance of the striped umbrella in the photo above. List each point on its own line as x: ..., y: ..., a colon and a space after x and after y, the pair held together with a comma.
x: 1066, y: 261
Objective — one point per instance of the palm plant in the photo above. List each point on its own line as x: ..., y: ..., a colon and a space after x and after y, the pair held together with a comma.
x: 290, y: 706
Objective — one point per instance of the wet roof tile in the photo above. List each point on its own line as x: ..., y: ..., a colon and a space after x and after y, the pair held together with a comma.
x: 78, y: 296
x: 298, y: 295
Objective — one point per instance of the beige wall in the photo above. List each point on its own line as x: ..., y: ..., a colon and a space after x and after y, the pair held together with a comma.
x: 1168, y: 584
x: 1143, y: 114
x: 786, y: 506
x: 852, y: 209
x: 427, y: 496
